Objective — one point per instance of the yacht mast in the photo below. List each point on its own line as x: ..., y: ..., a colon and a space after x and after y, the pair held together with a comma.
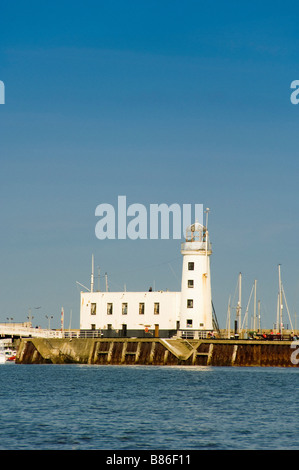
x: 239, y: 303
x: 280, y: 300
x: 254, y: 307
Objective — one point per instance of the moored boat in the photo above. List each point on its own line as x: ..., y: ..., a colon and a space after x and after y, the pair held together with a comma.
x: 10, y: 355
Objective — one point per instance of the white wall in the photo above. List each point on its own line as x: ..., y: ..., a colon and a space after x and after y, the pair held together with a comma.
x: 169, y: 304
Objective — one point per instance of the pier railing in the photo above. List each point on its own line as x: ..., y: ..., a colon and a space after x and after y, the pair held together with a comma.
x: 23, y: 331
x: 29, y: 332
x: 194, y: 334
x: 16, y: 330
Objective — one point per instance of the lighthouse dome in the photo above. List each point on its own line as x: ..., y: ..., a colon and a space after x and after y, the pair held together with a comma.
x: 195, y: 227
x: 196, y: 232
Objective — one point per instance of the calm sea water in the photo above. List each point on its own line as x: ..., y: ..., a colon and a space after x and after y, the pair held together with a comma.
x: 67, y: 407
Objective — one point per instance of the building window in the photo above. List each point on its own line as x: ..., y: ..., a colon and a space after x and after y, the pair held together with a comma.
x: 189, y: 323
x: 191, y: 266
x: 109, y: 308
x: 93, y: 309
x: 190, y: 283
x: 141, y: 308
x: 156, y: 308
x: 124, y: 308
x: 93, y: 327
x: 109, y: 326
x: 189, y: 303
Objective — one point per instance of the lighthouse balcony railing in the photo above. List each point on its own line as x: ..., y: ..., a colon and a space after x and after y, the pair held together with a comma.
x: 196, y: 245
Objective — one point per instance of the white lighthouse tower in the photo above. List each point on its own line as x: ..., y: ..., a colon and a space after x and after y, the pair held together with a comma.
x: 196, y: 317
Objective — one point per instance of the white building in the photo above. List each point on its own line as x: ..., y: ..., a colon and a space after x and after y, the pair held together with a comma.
x: 160, y: 314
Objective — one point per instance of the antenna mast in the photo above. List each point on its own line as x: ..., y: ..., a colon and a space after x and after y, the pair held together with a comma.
x: 92, y: 274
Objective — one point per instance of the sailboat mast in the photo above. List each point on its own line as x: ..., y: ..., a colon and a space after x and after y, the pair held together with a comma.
x: 239, y: 302
x: 254, y: 307
x: 228, y: 320
x: 277, y: 314
x: 207, y: 234
x: 280, y: 300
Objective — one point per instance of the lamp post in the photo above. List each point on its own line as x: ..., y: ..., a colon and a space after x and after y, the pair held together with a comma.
x: 49, y: 318
x: 30, y: 318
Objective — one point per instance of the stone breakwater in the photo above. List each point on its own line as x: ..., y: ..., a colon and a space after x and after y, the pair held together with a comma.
x: 158, y: 351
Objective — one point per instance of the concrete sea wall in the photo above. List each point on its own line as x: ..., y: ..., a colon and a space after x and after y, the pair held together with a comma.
x: 157, y: 351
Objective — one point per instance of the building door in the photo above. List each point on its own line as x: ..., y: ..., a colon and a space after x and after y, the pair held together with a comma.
x: 156, y: 331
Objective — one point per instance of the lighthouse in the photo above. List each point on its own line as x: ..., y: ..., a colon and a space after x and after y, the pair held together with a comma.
x: 156, y: 313
x: 196, y: 317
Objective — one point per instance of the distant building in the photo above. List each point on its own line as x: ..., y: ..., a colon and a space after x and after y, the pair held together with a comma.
x: 187, y: 313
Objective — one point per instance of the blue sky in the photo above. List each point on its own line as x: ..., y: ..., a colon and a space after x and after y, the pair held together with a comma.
x: 161, y: 101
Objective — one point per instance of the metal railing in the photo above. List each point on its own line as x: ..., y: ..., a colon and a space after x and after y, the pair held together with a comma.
x: 15, y: 330
x: 194, y: 334
x: 29, y: 332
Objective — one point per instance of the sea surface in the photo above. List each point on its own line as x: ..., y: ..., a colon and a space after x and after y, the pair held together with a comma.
x: 86, y: 407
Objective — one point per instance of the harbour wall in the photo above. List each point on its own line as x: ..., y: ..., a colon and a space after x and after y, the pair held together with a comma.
x: 158, y: 351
